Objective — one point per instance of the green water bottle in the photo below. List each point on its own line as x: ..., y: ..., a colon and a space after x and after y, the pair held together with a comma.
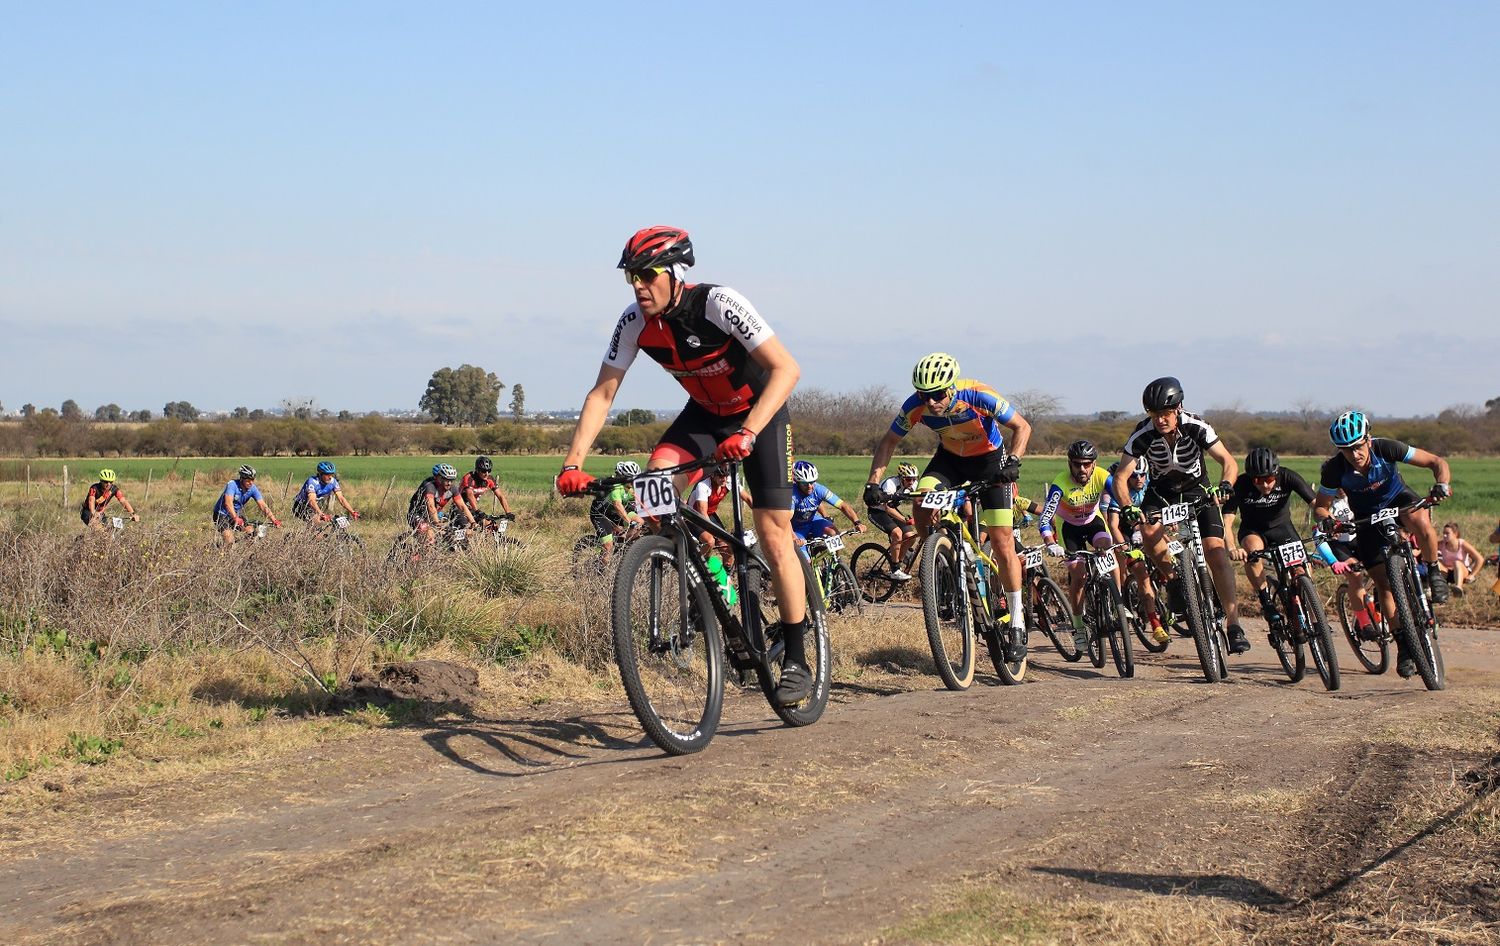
x: 721, y: 578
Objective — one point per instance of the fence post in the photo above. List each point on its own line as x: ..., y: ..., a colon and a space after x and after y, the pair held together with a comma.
x: 65, y: 486
x: 147, y: 500
x: 28, y: 481
x: 381, y: 508
x: 287, y: 489
x: 193, y: 487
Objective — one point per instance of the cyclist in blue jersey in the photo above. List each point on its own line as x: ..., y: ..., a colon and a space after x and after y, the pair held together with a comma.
x: 1366, y: 470
x: 238, y: 492
x: 808, y: 497
x: 322, y: 484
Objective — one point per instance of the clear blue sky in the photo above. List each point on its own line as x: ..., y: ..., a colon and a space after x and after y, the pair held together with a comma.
x: 235, y: 203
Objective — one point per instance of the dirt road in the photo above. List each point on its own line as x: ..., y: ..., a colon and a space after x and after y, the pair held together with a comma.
x: 1248, y: 810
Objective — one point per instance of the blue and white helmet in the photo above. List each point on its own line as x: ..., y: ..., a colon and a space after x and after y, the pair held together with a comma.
x: 445, y: 471
x: 326, y: 467
x: 627, y: 468
x: 804, y: 472
x: 1349, y: 428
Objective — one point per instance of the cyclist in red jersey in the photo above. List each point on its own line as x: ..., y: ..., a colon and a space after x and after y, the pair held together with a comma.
x: 738, y: 376
x: 101, y: 494
x: 706, y: 497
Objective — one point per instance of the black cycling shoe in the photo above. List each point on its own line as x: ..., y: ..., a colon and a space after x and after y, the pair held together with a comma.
x: 1439, y: 586
x: 1406, y: 668
x: 795, y: 685
x: 1238, y: 642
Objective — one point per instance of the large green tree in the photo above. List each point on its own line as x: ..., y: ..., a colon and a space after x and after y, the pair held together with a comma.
x: 467, y: 396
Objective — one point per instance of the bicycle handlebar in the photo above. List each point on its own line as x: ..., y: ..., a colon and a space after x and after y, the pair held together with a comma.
x: 604, y: 484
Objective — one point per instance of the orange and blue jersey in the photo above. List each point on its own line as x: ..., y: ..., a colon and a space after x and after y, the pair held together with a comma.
x: 971, y: 425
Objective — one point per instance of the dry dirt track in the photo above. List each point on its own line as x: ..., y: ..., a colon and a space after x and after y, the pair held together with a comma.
x: 1253, y: 793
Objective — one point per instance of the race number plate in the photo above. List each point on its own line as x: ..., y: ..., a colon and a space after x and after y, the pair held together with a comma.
x: 1033, y: 558
x: 1175, y: 513
x: 501, y: 526
x: 1384, y: 515
x: 341, y: 522
x: 1175, y: 547
x: 833, y: 543
x: 654, y: 495
x: 116, y: 522
x: 1292, y: 553
x: 260, y: 530
x: 942, y: 499
x: 458, y: 535
x: 1104, y: 563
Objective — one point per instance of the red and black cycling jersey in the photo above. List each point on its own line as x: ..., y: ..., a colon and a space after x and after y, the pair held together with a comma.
x: 705, y: 342
x: 479, y: 483
x: 102, y: 494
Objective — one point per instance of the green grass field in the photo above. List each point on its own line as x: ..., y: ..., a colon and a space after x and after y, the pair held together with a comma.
x: 1476, y: 480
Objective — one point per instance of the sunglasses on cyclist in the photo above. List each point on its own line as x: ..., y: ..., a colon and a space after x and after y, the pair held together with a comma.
x: 647, y: 275
x: 934, y: 397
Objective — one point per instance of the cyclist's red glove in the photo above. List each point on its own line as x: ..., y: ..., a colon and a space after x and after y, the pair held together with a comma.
x: 737, y: 446
x: 239, y: 521
x: 322, y: 517
x: 1341, y: 568
x: 354, y: 515
x: 276, y: 522
x: 573, y: 481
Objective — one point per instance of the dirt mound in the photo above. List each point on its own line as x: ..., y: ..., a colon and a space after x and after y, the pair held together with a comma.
x: 431, y: 685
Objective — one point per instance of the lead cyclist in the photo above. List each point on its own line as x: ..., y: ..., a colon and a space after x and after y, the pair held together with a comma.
x: 738, y: 376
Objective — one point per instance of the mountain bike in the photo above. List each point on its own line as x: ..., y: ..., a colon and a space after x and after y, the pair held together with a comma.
x: 1202, y: 611
x: 1103, y: 610
x: 1047, y: 608
x: 338, y: 529
x: 873, y: 565
x: 1138, y: 618
x: 961, y: 592
x: 673, y: 627
x: 835, y: 579
x: 588, y: 551
x: 1302, y: 620
x: 1371, y: 638
x: 494, y: 530
x: 1415, y: 625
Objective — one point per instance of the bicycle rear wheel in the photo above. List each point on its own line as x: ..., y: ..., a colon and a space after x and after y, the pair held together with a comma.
x: 1319, y: 635
x: 1140, y: 625
x: 672, y: 664
x: 844, y: 596
x: 818, y: 649
x: 1050, y: 612
x: 945, y: 611
x: 997, y: 634
x: 872, y: 566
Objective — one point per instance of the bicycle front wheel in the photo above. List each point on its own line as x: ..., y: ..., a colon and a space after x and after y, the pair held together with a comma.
x: 872, y: 567
x: 1319, y: 635
x: 1371, y: 645
x: 1419, y: 644
x: 1119, y: 635
x: 945, y: 610
x: 1204, y: 634
x: 1288, y: 650
x: 843, y: 591
x: 671, y: 662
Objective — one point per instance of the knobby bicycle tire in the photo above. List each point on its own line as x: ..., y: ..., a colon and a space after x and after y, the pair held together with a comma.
x: 1413, y: 636
x: 1380, y: 644
x: 945, y: 611
x: 845, y: 596
x: 1052, y: 613
x: 683, y: 715
x: 1319, y: 634
x: 819, y: 651
x: 1194, y: 615
x: 1119, y: 634
x: 1141, y: 624
x: 1289, y: 651
x: 1093, y: 618
x: 1010, y: 672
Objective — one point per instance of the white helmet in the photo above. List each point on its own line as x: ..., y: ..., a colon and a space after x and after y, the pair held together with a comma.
x: 627, y: 468
x: 804, y: 472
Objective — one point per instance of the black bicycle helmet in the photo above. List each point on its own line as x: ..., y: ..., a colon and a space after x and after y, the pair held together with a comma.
x: 1262, y: 461
x: 1082, y: 450
x: 1162, y: 394
x: 657, y: 246
x: 483, y: 465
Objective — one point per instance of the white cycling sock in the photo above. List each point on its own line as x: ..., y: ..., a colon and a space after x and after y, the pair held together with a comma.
x: 1017, y: 613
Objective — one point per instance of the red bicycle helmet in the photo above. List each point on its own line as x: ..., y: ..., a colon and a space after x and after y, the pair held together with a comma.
x: 657, y: 246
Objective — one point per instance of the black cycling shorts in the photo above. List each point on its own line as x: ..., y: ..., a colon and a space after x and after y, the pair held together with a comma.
x: 950, y: 469
x: 768, y: 469
x: 1210, y: 520
x: 1079, y: 538
x: 883, y: 520
x: 1369, y: 544
x: 1279, y: 533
